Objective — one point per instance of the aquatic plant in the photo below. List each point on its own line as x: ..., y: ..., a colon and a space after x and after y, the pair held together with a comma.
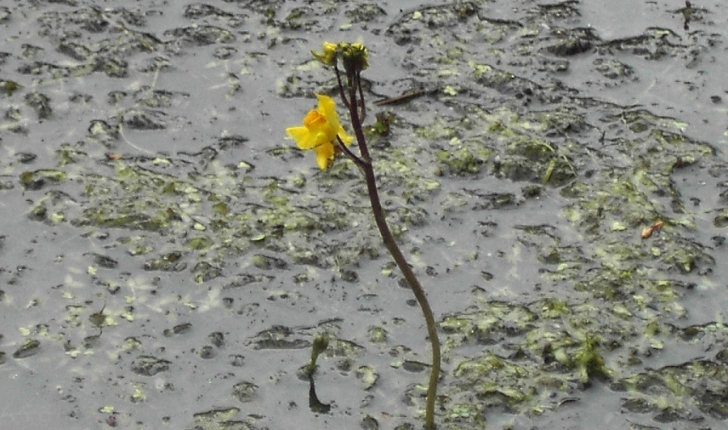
x: 322, y: 133
x: 320, y: 343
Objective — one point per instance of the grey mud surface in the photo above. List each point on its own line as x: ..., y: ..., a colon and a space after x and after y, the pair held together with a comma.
x: 167, y: 256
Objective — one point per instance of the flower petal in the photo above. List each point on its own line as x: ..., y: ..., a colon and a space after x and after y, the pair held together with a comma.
x: 326, y: 105
x: 329, y: 54
x: 314, y: 119
x: 302, y: 136
x: 323, y: 138
x: 345, y: 137
x: 324, y: 155
x: 327, y: 108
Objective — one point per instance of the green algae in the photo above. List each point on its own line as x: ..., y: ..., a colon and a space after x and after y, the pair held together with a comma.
x: 40, y: 103
x: 146, y: 365
x: 9, y: 87
x: 673, y: 392
x: 377, y: 334
x: 38, y: 179
x: 609, y: 298
x: 721, y: 219
x: 278, y: 337
x: 368, y: 376
x: 245, y: 392
x: 220, y: 419
x: 459, y: 161
x: 28, y: 349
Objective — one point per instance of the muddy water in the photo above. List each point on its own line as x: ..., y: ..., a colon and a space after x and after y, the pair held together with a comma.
x: 167, y: 257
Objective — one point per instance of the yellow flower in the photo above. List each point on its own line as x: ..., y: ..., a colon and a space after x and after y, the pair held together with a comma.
x: 319, y: 131
x: 327, y: 57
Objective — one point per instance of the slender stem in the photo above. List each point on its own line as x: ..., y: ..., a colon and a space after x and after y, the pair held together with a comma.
x: 417, y: 289
x: 393, y: 248
x: 353, y: 157
x: 356, y: 122
x: 341, y: 87
x: 361, y: 96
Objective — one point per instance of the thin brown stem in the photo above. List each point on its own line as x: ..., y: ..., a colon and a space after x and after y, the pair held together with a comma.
x: 341, y: 87
x: 361, y: 96
x: 414, y: 283
x: 353, y: 157
x: 393, y: 248
x: 400, y: 99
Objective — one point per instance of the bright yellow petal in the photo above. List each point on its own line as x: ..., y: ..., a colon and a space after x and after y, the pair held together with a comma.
x: 330, y: 48
x: 296, y: 132
x: 327, y: 108
x: 326, y: 105
x: 345, y: 137
x: 323, y: 137
x: 303, y: 137
x: 329, y: 54
x: 324, y: 155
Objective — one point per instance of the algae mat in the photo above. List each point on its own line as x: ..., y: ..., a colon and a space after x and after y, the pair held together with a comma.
x: 555, y: 171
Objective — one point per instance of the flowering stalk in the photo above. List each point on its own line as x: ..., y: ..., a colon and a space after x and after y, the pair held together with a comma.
x: 354, y: 58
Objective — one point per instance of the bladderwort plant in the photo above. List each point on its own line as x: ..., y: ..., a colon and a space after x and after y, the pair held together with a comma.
x: 322, y: 132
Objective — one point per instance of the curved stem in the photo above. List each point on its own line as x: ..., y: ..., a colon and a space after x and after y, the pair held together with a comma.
x: 341, y: 87
x: 353, y: 157
x: 417, y: 289
x: 365, y: 165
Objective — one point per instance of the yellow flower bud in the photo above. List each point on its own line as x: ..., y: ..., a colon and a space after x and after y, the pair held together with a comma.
x: 329, y: 54
x: 355, y: 56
